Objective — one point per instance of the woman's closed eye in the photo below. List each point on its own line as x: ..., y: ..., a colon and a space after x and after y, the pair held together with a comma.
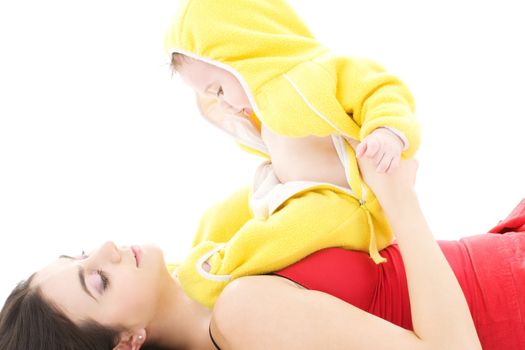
x: 99, y: 279
x: 103, y: 283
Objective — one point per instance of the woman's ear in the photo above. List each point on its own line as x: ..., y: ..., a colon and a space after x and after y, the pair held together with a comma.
x: 131, y: 340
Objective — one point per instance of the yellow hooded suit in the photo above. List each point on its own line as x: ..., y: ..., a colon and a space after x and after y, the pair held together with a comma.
x: 296, y: 88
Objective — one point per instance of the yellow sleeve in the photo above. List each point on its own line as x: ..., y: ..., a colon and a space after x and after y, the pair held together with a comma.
x: 314, y: 220
x: 375, y: 98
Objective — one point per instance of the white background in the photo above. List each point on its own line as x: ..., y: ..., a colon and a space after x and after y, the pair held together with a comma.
x: 98, y: 142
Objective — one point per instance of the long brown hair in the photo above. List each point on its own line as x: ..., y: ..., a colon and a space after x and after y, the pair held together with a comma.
x: 28, y: 321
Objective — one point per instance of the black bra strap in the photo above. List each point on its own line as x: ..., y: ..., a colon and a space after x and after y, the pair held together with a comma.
x: 213, y: 340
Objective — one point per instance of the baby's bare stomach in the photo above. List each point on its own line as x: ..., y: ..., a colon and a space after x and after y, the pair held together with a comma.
x: 307, y: 158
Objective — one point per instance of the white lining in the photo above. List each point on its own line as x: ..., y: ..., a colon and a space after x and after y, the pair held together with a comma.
x: 363, y: 191
x: 310, y: 105
x: 269, y: 193
x: 338, y: 142
x: 206, y: 274
x: 399, y: 134
x: 394, y: 130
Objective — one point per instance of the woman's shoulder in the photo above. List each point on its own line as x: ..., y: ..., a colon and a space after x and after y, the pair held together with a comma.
x: 252, y: 287
x: 234, y: 307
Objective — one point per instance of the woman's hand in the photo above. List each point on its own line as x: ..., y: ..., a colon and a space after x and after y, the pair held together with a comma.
x: 404, y: 177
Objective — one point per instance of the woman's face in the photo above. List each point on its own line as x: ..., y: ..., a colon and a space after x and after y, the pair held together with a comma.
x: 114, y: 286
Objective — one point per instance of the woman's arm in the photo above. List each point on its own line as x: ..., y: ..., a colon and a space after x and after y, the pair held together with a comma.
x: 270, y: 313
x: 440, y: 313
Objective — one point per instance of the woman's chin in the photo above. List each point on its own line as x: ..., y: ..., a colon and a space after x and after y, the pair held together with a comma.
x: 150, y: 256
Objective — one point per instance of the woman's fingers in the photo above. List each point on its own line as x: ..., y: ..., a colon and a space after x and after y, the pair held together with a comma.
x: 413, y: 166
x: 383, y: 183
x: 384, y: 163
x: 394, y: 164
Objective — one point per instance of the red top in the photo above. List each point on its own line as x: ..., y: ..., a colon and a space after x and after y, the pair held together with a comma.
x: 490, y: 269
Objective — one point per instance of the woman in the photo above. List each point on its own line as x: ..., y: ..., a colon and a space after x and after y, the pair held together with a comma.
x: 123, y: 298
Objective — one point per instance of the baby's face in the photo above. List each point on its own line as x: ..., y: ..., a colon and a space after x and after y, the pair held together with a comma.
x: 207, y: 79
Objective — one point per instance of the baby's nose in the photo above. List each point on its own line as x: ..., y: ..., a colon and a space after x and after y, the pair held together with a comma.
x: 227, y: 107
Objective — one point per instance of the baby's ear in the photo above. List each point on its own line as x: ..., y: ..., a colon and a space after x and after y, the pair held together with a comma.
x: 131, y: 340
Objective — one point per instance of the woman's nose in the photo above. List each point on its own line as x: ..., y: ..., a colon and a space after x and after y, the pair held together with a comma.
x: 110, y: 252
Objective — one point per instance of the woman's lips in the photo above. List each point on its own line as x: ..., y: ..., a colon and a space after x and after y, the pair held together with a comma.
x: 138, y: 254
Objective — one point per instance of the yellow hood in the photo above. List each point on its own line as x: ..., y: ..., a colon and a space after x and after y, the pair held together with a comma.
x: 294, y: 84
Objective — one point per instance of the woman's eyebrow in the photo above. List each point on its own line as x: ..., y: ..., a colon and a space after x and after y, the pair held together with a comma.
x: 81, y: 276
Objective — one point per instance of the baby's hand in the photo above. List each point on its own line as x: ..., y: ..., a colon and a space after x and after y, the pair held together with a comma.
x: 383, y: 147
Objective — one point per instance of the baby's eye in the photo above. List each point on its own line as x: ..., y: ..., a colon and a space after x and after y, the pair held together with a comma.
x: 83, y: 255
x: 220, y: 92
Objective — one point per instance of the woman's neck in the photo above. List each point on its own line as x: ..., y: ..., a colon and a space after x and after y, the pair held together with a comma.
x: 181, y: 322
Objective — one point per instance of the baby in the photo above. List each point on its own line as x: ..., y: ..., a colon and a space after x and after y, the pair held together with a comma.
x: 262, y: 77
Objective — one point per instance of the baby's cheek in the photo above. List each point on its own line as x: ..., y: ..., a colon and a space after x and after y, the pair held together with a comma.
x: 237, y: 96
